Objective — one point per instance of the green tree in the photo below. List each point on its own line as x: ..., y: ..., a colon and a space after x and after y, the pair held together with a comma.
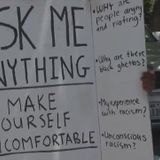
x: 148, y: 10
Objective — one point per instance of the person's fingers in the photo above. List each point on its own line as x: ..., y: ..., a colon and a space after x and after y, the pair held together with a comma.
x: 148, y: 88
x: 148, y: 81
x: 147, y: 75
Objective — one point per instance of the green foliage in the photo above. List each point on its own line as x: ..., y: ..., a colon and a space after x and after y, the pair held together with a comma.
x: 148, y: 5
x: 148, y: 9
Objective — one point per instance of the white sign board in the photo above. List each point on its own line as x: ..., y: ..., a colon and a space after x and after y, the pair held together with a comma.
x: 70, y: 80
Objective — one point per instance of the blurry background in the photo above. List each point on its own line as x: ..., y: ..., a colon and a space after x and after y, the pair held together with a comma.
x: 152, y: 36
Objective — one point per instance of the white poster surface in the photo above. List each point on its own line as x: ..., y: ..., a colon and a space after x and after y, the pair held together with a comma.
x: 70, y: 80
x: 118, y: 33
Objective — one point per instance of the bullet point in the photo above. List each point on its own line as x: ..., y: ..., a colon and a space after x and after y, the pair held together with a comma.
x: 93, y: 11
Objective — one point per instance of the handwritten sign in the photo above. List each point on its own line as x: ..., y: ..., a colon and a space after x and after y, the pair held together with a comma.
x: 120, y: 59
x: 70, y: 80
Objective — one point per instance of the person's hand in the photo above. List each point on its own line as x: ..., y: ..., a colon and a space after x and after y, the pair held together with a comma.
x: 148, y: 81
